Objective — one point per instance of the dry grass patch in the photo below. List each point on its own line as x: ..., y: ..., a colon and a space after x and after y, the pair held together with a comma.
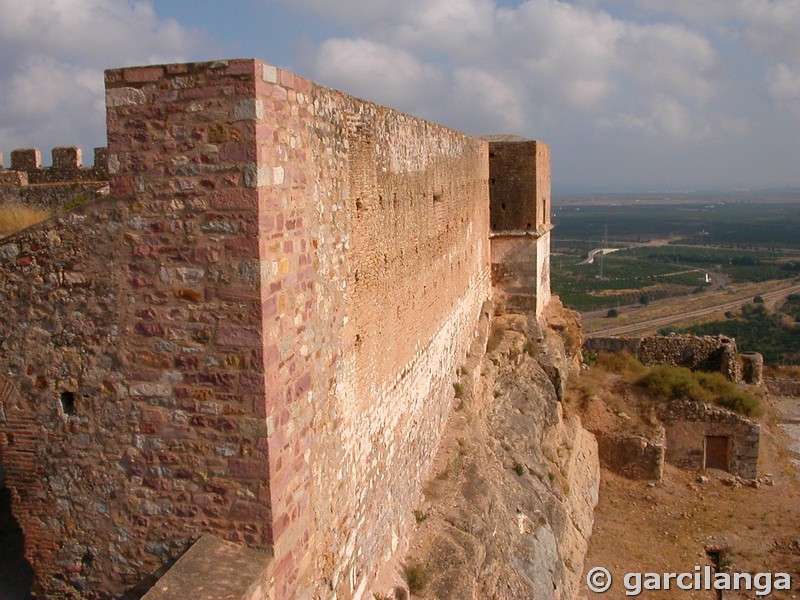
x: 15, y: 217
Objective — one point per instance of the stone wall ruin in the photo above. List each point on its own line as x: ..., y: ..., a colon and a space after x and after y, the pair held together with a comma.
x: 699, y: 353
x: 689, y: 426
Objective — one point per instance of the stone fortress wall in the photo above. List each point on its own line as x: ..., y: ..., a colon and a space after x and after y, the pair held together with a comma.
x: 255, y: 335
x: 63, y: 185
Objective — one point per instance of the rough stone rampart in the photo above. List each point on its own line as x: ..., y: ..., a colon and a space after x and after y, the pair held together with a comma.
x: 65, y: 184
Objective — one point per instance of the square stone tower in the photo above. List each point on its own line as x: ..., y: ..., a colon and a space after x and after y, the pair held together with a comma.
x: 519, y: 193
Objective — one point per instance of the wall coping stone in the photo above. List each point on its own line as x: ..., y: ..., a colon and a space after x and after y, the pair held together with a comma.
x: 211, y: 569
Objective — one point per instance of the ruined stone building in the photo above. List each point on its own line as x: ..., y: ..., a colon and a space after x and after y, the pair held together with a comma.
x: 256, y: 333
x: 691, y: 434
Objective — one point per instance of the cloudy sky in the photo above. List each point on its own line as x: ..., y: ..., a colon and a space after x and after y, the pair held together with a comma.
x: 632, y: 95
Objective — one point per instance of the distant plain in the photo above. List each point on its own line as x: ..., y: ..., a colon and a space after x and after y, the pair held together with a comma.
x: 664, y: 251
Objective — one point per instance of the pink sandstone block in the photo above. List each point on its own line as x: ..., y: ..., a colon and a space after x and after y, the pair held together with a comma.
x: 237, y: 199
x: 176, y: 69
x: 241, y: 67
x: 142, y: 74
x: 238, y: 152
x: 253, y: 468
x: 242, y: 247
x: 302, y: 85
x: 286, y: 78
x: 233, y: 335
x: 113, y: 75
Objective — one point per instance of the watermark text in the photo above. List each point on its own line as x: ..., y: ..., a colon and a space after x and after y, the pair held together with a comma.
x: 599, y: 580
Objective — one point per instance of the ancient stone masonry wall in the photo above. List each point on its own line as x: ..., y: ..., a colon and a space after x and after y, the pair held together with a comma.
x: 703, y: 353
x: 688, y: 424
x: 64, y: 184
x: 399, y: 225
x: 146, y: 310
x: 63, y: 384
x: 256, y: 337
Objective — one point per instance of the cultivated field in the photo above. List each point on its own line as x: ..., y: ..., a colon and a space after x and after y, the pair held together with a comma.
x: 680, y: 262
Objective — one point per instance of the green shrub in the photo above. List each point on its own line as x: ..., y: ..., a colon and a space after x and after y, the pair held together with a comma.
x: 76, y: 201
x: 620, y: 362
x: 741, y: 402
x: 670, y: 382
x: 667, y: 381
x: 417, y: 577
x: 715, y: 383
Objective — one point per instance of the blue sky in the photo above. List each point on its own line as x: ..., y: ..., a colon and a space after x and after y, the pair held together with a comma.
x: 632, y: 95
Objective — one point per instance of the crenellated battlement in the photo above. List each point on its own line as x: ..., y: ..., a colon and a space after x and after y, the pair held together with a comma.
x: 67, y: 166
x: 65, y: 183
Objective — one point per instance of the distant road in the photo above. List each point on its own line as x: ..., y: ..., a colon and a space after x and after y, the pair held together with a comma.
x: 769, y: 297
x: 596, y: 251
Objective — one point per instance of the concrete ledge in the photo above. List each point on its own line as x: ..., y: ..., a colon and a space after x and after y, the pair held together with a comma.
x: 213, y: 569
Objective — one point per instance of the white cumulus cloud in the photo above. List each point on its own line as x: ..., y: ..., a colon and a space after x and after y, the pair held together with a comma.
x: 379, y: 73
x: 54, y: 53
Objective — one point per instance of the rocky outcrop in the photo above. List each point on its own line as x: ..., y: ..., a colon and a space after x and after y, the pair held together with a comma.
x: 508, y: 510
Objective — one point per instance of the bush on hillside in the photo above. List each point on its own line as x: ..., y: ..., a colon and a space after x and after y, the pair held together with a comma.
x: 622, y: 363
x: 671, y: 382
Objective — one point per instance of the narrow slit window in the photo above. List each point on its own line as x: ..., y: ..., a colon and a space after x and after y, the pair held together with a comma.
x: 68, y: 403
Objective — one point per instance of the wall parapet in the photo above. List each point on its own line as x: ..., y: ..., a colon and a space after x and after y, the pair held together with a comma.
x: 67, y: 165
x: 213, y: 568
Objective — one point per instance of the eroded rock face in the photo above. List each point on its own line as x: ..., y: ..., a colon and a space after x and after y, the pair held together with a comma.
x: 509, y: 508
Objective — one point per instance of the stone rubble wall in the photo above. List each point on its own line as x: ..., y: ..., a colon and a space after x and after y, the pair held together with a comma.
x: 702, y: 353
x: 146, y: 309
x: 633, y: 456
x: 783, y: 387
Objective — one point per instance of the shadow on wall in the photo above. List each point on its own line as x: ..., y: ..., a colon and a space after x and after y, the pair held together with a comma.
x: 16, y: 574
